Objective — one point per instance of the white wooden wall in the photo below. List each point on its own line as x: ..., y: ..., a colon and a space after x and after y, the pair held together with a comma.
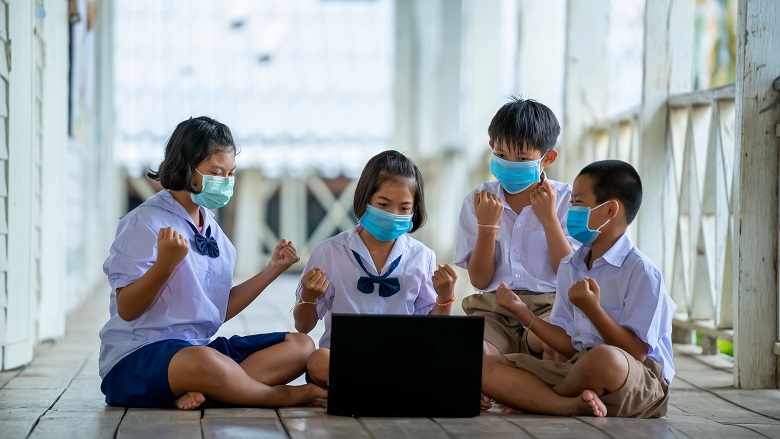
x: 54, y: 217
x: 54, y: 29
x: 23, y: 179
x: 4, y: 91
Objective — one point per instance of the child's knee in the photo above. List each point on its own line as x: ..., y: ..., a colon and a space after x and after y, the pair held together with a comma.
x: 202, y: 362
x: 319, y: 360
x: 608, y: 362
x: 318, y: 366
x: 302, y: 341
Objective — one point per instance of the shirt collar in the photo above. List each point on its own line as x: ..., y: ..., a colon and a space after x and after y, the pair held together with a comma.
x: 615, y: 256
x: 352, y: 240
x: 164, y: 200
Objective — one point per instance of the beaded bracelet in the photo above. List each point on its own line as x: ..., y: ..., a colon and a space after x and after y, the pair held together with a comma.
x: 452, y: 299
x: 488, y: 226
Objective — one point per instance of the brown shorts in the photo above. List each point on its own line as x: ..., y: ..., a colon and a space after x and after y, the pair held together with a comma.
x: 645, y: 393
x: 502, y: 329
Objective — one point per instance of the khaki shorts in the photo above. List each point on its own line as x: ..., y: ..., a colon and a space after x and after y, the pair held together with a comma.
x: 502, y: 329
x: 645, y: 393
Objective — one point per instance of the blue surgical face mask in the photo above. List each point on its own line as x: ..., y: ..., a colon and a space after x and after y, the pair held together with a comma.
x: 385, y: 226
x: 577, y: 223
x: 216, y: 191
x: 516, y: 177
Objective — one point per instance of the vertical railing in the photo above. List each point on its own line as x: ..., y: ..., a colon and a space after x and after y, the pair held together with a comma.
x: 305, y: 209
x: 696, y: 209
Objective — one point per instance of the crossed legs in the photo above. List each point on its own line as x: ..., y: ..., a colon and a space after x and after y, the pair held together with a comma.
x: 199, y: 371
x: 601, y: 370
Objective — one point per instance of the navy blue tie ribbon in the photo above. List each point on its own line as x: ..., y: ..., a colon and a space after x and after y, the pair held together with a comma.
x: 387, y: 286
x: 206, y: 245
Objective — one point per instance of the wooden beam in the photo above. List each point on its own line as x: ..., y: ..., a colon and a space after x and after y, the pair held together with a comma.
x: 668, y: 25
x: 703, y: 97
x: 755, y: 195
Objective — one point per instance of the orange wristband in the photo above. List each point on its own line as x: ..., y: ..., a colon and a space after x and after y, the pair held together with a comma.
x: 452, y: 299
x: 488, y: 226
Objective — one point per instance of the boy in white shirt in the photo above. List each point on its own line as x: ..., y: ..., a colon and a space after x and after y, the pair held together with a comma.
x: 612, y: 316
x: 513, y: 230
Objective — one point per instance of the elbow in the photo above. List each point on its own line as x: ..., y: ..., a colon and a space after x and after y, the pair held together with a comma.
x: 479, y: 284
x: 302, y: 328
x: 126, y: 315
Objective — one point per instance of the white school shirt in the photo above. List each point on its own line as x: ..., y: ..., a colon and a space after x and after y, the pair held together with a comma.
x: 193, y: 303
x: 632, y: 293
x: 522, y: 256
x: 335, y: 257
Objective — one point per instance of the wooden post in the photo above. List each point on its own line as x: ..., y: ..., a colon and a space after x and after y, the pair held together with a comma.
x: 18, y: 341
x: 756, y: 196
x: 585, y: 83
x: 51, y: 323
x: 540, y: 67
x: 251, y: 201
x: 667, y: 68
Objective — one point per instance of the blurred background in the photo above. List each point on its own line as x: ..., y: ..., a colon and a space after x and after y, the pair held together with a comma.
x: 311, y: 89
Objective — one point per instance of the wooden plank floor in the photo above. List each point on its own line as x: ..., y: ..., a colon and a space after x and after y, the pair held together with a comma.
x: 58, y: 395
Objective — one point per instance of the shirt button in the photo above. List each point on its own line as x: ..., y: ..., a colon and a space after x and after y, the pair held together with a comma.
x: 517, y: 275
x: 514, y: 251
x: 518, y: 225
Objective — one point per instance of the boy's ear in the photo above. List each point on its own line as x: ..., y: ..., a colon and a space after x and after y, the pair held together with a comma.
x: 490, y: 143
x: 549, y: 158
x: 613, y: 208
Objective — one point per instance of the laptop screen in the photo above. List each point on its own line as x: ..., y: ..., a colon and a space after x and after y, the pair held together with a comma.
x: 392, y: 365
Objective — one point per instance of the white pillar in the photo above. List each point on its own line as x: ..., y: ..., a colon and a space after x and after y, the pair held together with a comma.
x: 756, y: 195
x: 668, y: 68
x: 51, y: 324
x: 586, y: 80
x: 542, y: 52
x: 18, y: 341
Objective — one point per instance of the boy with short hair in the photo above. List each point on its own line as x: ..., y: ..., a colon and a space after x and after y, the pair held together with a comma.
x: 612, y: 316
x: 513, y: 229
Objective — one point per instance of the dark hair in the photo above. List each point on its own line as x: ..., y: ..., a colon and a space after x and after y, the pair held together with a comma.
x: 193, y: 141
x: 525, y: 123
x: 390, y: 165
x: 615, y: 179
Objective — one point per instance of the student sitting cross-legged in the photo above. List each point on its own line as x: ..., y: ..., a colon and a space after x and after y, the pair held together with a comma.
x: 375, y: 267
x: 612, y: 316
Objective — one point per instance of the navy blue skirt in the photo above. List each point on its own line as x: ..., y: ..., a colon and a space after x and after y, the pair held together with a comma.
x: 141, y: 378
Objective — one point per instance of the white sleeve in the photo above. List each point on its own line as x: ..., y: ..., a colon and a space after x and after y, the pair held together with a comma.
x: 467, y: 233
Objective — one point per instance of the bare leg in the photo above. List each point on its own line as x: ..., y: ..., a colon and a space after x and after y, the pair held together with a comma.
x: 603, y: 369
x: 513, y: 387
x: 280, y: 363
x: 319, y: 367
x: 201, y: 369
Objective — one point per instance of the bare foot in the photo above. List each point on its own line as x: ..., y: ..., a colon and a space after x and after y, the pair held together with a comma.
x: 505, y: 408
x: 190, y: 401
x: 485, y: 403
x: 594, y: 403
x: 313, y: 394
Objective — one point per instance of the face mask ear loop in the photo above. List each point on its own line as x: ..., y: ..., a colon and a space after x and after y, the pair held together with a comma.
x: 599, y: 229
x: 610, y: 219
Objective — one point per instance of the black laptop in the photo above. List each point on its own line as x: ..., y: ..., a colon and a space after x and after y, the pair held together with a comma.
x: 405, y: 366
